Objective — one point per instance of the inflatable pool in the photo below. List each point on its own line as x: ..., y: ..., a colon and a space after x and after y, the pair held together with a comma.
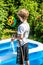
x: 7, y: 57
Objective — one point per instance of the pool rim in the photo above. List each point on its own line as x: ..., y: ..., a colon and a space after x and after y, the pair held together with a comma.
x: 36, y: 49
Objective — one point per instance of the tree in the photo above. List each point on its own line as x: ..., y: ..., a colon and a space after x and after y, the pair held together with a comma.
x: 35, y: 8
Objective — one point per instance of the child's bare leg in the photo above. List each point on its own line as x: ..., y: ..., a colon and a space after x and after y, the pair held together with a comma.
x: 27, y: 63
x: 23, y: 60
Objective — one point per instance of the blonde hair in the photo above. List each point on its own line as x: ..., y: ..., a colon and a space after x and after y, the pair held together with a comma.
x: 23, y: 13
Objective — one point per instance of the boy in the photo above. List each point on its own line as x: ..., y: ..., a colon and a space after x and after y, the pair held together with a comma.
x: 23, y: 33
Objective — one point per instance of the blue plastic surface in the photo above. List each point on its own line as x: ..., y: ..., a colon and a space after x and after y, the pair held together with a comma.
x: 8, y: 58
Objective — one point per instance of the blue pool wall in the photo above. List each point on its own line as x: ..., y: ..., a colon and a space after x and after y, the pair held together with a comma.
x: 35, y: 56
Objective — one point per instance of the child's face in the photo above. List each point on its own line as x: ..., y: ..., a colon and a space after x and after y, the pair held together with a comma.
x: 21, y: 19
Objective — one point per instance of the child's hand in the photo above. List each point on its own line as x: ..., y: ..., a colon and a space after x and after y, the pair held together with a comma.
x: 14, y: 36
x: 12, y: 39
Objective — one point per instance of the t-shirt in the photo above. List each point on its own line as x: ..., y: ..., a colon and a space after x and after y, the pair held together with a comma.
x: 24, y: 29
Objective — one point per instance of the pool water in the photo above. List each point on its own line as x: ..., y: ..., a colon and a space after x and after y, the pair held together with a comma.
x: 8, y: 58
x: 5, y: 48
